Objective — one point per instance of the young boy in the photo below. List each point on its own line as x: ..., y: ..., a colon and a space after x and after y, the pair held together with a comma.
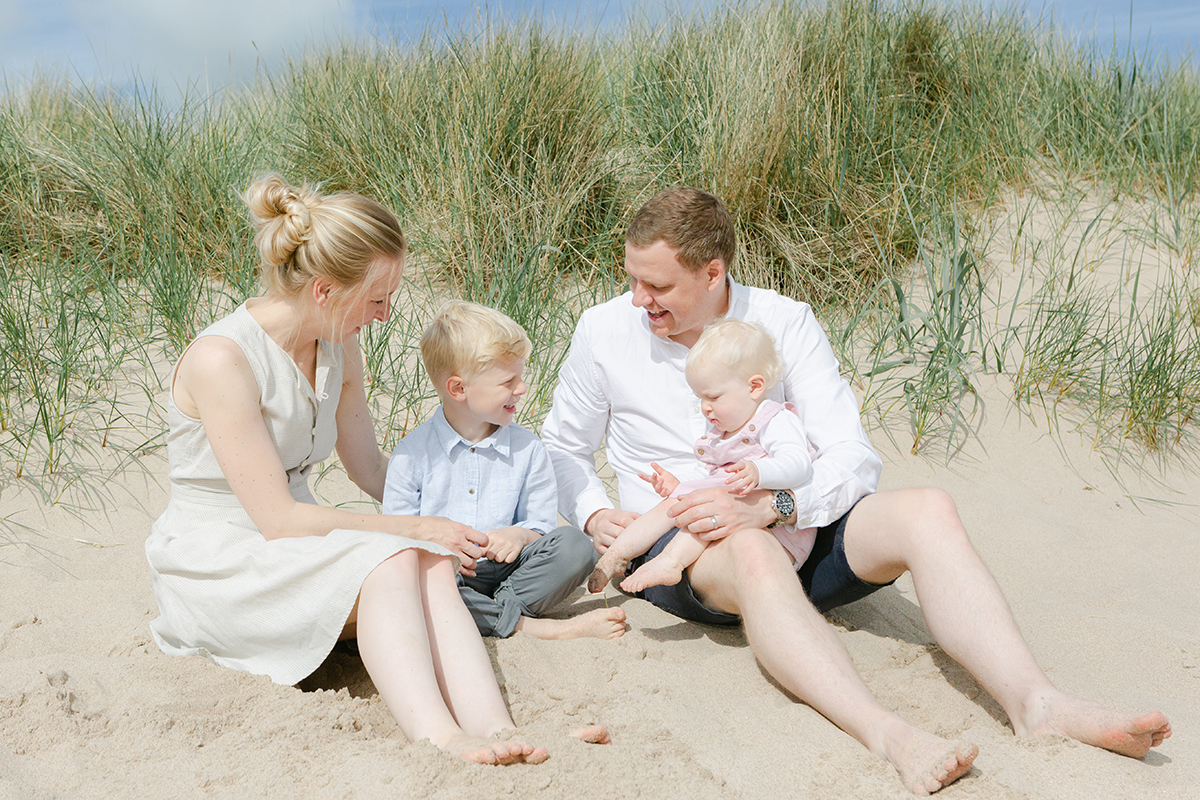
x: 471, y: 463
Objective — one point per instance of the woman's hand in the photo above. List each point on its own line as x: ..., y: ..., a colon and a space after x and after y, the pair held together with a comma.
x: 466, y: 543
x: 697, y: 511
x: 606, y: 525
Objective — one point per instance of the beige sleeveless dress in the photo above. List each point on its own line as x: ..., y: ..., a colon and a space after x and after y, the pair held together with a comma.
x: 224, y: 592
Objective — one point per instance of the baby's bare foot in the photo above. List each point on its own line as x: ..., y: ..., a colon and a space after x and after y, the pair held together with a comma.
x: 658, y: 571
x: 603, y: 623
x: 607, y: 566
x: 592, y: 734
x: 927, y: 763
x: 1092, y: 723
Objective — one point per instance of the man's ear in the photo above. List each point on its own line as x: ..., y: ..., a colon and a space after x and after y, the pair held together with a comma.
x: 758, y: 385
x: 456, y: 388
x: 715, y: 274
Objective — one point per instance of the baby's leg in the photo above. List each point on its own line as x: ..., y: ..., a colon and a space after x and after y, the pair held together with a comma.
x: 666, y: 568
x: 635, y: 540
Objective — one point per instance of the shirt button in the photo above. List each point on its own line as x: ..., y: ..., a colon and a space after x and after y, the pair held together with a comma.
x: 745, y: 441
x: 751, y: 427
x: 470, y: 491
x: 700, y: 450
x: 472, y: 449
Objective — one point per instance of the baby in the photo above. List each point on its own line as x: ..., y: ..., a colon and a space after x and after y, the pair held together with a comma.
x: 751, y: 442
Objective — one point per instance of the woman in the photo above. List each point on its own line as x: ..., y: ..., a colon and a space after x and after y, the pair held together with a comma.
x: 248, y: 571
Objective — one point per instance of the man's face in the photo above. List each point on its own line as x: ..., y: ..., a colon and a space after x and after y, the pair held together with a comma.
x: 678, y: 302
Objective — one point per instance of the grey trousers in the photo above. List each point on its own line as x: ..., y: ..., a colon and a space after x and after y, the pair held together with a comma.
x: 541, y: 577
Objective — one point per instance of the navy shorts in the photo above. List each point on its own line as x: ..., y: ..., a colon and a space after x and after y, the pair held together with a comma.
x: 826, y: 576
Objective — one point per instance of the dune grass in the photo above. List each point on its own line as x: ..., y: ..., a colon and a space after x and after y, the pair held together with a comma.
x: 861, y: 146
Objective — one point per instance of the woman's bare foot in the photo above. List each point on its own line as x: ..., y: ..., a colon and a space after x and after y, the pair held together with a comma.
x: 927, y: 763
x: 592, y: 734
x: 1092, y: 723
x: 607, y: 566
x: 603, y: 623
x: 658, y: 571
x: 494, y: 752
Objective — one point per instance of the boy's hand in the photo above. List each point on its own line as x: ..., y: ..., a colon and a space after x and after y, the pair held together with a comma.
x: 504, y: 544
x: 663, y: 482
x: 744, y: 477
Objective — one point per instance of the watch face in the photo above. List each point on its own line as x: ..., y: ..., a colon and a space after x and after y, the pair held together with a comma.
x: 784, y: 504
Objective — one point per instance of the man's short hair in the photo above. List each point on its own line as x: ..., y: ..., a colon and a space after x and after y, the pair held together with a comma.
x: 465, y: 338
x: 738, y: 348
x: 691, y: 221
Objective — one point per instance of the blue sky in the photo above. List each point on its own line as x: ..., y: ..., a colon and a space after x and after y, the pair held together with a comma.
x: 205, y: 42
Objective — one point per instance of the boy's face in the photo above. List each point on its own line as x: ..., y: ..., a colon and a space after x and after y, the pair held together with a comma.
x: 727, y: 402
x: 492, y: 395
x: 678, y: 301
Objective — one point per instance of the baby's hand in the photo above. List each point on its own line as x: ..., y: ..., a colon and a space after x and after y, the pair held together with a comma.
x: 504, y: 544
x: 744, y: 477
x: 663, y: 482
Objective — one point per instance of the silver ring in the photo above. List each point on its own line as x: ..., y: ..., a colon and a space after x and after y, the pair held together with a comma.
x: 713, y: 520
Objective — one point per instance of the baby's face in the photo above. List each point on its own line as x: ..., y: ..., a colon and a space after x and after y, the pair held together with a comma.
x: 727, y: 402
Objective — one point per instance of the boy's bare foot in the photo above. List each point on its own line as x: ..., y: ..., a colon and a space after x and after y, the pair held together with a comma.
x: 927, y: 763
x: 1092, y: 723
x: 592, y: 734
x: 658, y: 571
x: 495, y: 752
x: 603, y: 623
x: 607, y: 566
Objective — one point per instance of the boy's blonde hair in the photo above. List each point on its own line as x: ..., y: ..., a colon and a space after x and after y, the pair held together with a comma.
x: 465, y: 338
x: 740, y: 348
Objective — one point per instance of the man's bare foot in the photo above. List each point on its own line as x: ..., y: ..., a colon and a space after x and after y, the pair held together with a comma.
x: 607, y: 566
x: 494, y: 752
x: 603, y: 623
x: 592, y: 734
x: 1092, y: 723
x: 927, y: 763
x: 658, y: 571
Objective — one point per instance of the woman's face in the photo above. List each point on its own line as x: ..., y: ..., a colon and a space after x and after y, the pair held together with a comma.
x: 369, y: 302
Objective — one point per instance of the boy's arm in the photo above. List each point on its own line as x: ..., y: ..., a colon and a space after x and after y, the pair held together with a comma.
x: 536, y: 511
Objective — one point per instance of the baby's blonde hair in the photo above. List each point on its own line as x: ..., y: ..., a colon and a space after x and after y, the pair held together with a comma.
x: 739, y: 348
x: 465, y: 338
x: 303, y: 234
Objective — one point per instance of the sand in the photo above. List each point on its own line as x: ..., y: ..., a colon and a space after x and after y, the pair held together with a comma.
x: 1100, y: 565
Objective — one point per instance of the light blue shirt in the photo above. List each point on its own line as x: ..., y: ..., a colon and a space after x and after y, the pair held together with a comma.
x: 504, y: 480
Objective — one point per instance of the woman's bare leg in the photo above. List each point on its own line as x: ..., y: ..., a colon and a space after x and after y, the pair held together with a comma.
x: 396, y: 641
x: 750, y: 574
x: 919, y: 530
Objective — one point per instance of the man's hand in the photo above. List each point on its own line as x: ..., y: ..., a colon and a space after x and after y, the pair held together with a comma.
x: 743, y: 477
x: 606, y: 525
x: 504, y: 544
x: 663, y: 482
x: 696, y: 511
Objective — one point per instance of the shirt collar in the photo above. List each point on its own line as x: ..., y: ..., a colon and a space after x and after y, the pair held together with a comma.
x: 448, y: 438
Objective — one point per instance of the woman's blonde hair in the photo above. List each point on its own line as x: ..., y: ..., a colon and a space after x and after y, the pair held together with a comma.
x: 303, y: 234
x: 465, y: 338
x: 739, y: 348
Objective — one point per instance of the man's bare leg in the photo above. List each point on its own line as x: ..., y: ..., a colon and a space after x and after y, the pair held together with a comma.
x: 666, y: 568
x: 638, y: 537
x: 602, y: 623
x: 919, y: 530
x: 750, y: 574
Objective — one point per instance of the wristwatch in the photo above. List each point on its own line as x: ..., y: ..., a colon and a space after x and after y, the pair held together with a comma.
x: 784, y: 505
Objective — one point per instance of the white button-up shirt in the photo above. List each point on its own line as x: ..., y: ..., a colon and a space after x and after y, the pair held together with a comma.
x: 624, y: 387
x: 506, y: 479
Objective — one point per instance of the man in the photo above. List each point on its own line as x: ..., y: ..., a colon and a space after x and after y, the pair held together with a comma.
x: 623, y: 384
